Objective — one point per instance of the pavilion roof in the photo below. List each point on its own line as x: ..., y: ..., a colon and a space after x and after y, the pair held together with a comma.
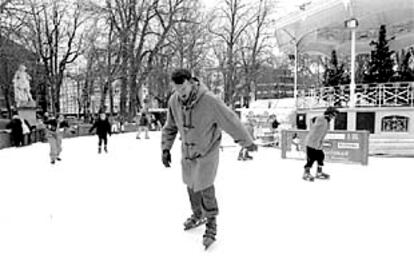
x: 320, y: 25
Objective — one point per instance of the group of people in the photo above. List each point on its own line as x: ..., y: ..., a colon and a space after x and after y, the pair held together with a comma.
x: 198, y: 117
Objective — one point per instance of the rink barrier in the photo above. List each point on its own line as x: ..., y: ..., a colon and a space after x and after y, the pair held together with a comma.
x: 338, y: 146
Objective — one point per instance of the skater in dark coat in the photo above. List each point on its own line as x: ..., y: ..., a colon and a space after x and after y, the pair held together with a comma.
x: 16, y: 131
x: 103, y: 129
x: 314, y: 140
x: 198, y: 116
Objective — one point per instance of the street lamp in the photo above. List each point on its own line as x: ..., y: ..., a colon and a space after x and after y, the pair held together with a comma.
x: 296, y: 42
x: 352, y: 24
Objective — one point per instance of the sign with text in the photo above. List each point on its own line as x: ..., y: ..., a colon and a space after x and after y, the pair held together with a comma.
x: 338, y: 146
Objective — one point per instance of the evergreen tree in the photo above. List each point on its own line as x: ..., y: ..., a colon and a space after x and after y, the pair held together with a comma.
x: 334, y: 72
x: 380, y: 67
x: 407, y: 65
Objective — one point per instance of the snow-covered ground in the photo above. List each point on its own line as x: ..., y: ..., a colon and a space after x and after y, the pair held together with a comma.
x: 125, y: 206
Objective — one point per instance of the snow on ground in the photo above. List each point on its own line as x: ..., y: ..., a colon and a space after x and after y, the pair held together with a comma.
x: 125, y: 206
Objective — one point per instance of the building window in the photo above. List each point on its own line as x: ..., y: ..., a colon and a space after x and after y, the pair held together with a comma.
x: 394, y: 124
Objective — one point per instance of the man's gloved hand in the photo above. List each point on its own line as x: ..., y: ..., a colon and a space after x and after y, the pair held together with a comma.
x: 252, y: 147
x: 166, y: 157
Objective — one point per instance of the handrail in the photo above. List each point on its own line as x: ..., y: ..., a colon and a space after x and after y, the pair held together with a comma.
x: 398, y: 94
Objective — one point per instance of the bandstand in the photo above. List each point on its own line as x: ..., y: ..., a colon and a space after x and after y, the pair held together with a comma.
x: 386, y: 110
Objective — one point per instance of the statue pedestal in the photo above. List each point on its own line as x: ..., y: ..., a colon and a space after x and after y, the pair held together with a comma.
x: 27, y: 110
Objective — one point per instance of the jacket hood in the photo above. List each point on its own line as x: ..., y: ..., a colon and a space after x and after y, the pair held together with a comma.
x: 196, y: 93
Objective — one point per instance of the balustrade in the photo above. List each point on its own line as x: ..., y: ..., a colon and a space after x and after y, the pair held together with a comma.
x: 400, y: 94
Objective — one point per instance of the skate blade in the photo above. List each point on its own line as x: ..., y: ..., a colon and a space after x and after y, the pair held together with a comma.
x: 308, y: 179
x: 322, y: 178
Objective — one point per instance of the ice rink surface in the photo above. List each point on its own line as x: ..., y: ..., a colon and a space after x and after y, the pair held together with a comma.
x: 125, y: 206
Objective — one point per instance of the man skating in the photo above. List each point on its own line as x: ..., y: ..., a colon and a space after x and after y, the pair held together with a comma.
x: 314, y: 141
x: 198, y: 116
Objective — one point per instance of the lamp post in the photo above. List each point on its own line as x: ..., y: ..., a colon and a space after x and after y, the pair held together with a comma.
x: 296, y: 42
x: 352, y: 24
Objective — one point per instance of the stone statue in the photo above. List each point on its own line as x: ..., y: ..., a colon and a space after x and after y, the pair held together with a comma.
x: 21, y: 84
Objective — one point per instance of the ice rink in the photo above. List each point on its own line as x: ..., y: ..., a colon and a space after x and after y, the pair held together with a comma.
x: 125, y: 206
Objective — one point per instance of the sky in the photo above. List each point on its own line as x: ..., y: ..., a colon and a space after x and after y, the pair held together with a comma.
x: 285, y: 4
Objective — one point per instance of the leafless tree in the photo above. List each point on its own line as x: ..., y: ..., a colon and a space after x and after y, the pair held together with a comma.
x: 54, y: 31
x: 143, y: 27
x: 256, y: 45
x: 232, y: 19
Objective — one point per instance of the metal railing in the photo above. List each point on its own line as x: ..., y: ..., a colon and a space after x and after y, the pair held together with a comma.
x: 399, y: 94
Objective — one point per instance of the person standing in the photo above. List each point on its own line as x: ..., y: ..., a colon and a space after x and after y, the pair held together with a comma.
x: 314, y: 141
x: 155, y: 124
x: 16, y: 130
x: 143, y: 124
x: 244, y: 153
x: 198, y: 116
x: 27, y: 129
x: 55, y: 128
x: 103, y: 129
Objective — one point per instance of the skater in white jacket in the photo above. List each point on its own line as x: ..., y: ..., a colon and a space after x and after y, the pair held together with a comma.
x: 314, y: 142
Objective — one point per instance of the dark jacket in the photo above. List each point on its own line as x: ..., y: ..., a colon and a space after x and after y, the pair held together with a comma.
x: 275, y: 124
x: 16, y: 126
x: 52, y: 124
x: 143, y: 120
x: 199, y: 124
x: 54, y: 128
x: 103, y: 127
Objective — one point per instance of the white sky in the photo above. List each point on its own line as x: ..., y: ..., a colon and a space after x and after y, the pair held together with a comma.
x: 285, y: 4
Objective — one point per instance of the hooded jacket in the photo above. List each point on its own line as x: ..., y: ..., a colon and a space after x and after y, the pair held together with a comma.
x: 317, y: 132
x: 199, y: 121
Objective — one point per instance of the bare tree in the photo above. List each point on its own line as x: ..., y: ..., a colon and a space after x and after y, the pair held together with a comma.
x: 256, y: 45
x: 53, y: 30
x: 233, y: 19
x: 143, y: 27
x: 191, y: 40
x: 14, y: 51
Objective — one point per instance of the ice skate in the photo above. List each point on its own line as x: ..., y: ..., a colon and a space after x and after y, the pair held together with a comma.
x: 307, y: 175
x: 106, y: 149
x: 209, y: 236
x: 241, y: 157
x: 52, y: 162
x: 322, y: 176
x: 193, y: 222
x: 58, y: 159
x: 247, y: 156
x: 99, y: 150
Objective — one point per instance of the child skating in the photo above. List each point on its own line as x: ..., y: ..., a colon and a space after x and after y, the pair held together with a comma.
x: 103, y: 129
x: 55, y: 128
x: 314, y: 142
